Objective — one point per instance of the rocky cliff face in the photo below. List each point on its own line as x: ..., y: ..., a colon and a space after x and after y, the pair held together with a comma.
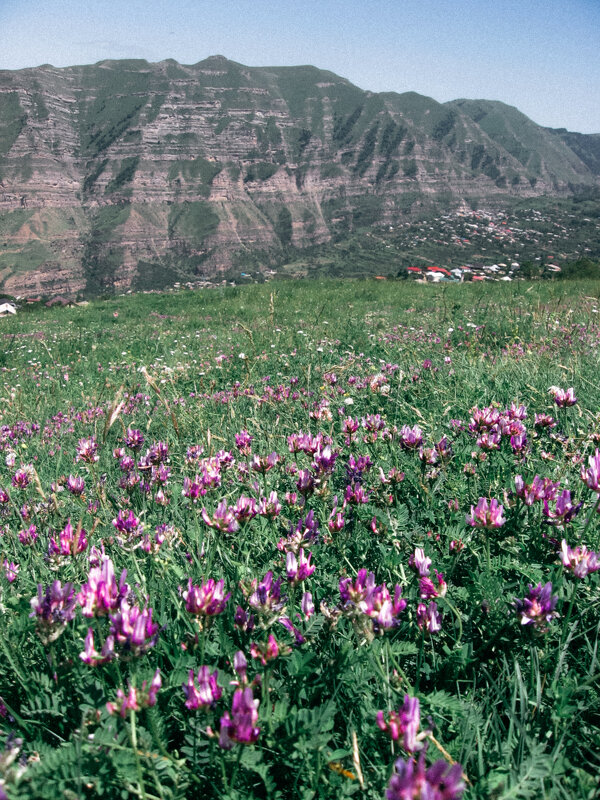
x: 127, y: 174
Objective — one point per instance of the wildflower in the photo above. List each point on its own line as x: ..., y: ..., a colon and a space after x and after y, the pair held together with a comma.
x: 544, y: 421
x: 243, y: 620
x: 355, y: 494
x: 240, y: 665
x: 136, y: 699
x: 207, y: 692
x: 540, y: 489
x: 70, y: 542
x: 10, y: 570
x: 101, y: 593
x: 336, y: 519
x: 28, y: 536
x: 411, y: 780
x: 591, y: 476
x: 87, y: 450
x: 134, y: 439
x: 486, y: 514
x: 245, y: 509
x: 21, y: 478
x: 264, y: 464
x: 537, y: 608
x: 563, y: 398
x: 133, y: 628
x: 428, y: 589
x: 428, y: 617
x: 91, y: 656
x: 223, y: 519
x: 579, y: 560
x: 411, y: 438
x: 243, y: 442
x: 403, y: 724
x: 381, y: 608
x: 127, y: 522
x: 75, y: 485
x: 266, y: 595
x: 269, y: 507
x: 53, y: 609
x: 265, y: 652
x: 241, y: 726
x: 307, y: 605
x: 565, y: 509
x: 206, y: 600
x: 300, y: 569
x: 420, y: 562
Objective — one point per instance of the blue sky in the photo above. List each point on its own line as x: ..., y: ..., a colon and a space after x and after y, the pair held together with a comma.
x: 542, y: 56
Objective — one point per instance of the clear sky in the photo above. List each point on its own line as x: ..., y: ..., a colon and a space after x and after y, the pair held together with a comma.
x: 542, y: 56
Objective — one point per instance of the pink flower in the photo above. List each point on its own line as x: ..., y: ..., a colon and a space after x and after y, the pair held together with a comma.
x: 241, y: 726
x: 486, y: 514
x: 403, y: 724
x: 419, y: 562
x: 591, y: 476
x: 428, y: 617
x: 300, y: 569
x: 562, y: 397
x: 206, y: 693
x: 579, y: 560
x: 224, y: 518
x: 207, y: 600
x: 136, y: 699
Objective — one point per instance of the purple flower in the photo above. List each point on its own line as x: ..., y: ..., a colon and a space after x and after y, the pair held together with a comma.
x: 403, y: 724
x: 207, y: 600
x: 307, y: 605
x: 419, y: 562
x: 91, y: 656
x: 428, y: 617
x: 269, y: 507
x: 537, y: 607
x: 563, y: 398
x: 539, y: 490
x: 411, y: 780
x: 245, y: 509
x: 133, y: 628
x: 75, y: 485
x: 136, y: 699
x: 70, y: 542
x: 591, y: 476
x: 101, y: 593
x: 241, y: 725
x: 206, y: 693
x: 486, y: 514
x: 134, y: 439
x: 224, y: 518
x: 53, y: 609
x: 299, y: 569
x: 265, y: 596
x: 579, y: 560
x: 411, y: 438
x: 565, y: 510
x: 87, y: 450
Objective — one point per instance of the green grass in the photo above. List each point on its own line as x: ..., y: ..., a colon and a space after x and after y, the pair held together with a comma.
x: 518, y: 709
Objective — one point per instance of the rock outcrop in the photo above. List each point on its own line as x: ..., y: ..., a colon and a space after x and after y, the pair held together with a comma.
x: 127, y: 174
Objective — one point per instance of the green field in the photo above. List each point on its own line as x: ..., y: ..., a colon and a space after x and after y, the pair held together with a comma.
x: 194, y: 480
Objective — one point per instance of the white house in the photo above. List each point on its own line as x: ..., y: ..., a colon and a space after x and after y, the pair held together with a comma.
x: 7, y: 308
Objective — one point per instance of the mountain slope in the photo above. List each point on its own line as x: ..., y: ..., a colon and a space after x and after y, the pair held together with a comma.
x: 130, y: 174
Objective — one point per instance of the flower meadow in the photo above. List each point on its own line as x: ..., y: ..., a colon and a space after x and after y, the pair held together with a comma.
x: 302, y: 540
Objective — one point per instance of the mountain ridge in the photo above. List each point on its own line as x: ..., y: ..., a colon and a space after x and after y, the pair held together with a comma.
x: 130, y: 174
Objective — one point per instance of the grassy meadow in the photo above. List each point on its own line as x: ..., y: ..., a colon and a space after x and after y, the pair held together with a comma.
x: 302, y: 540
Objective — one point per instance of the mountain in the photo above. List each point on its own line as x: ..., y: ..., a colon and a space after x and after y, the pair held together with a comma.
x: 127, y: 174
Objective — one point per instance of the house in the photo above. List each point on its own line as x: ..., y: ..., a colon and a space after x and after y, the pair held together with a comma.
x: 6, y: 309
